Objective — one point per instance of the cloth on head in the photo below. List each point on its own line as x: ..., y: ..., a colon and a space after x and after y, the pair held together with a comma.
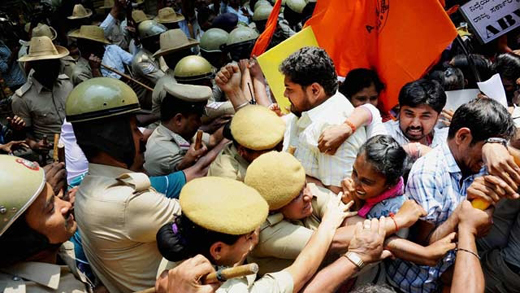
x: 111, y: 135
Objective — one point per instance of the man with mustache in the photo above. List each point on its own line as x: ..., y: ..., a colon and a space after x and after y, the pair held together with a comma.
x: 420, y: 103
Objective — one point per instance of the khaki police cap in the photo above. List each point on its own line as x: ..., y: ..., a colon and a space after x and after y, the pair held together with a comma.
x: 278, y: 176
x: 44, y: 30
x: 188, y: 92
x: 91, y: 33
x: 79, y: 12
x: 223, y: 205
x: 21, y: 182
x: 257, y: 128
x: 173, y: 41
x: 42, y: 48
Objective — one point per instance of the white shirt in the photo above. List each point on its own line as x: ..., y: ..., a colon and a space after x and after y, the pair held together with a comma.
x: 116, y: 58
x: 440, y: 135
x: 115, y: 31
x: 303, y: 134
x: 75, y: 161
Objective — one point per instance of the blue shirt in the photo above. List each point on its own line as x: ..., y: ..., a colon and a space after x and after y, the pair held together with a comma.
x: 116, y: 58
x: 170, y: 185
x: 12, y: 73
x: 436, y: 183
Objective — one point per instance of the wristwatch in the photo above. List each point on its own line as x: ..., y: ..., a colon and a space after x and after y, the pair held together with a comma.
x: 355, y: 259
x: 503, y: 141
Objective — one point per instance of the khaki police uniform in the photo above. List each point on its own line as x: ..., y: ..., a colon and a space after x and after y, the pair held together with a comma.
x: 229, y: 163
x: 222, y: 211
x: 43, y: 110
x: 46, y: 277
x: 81, y: 72
x: 146, y: 69
x: 164, y: 151
x: 118, y: 215
x: 281, y: 240
x: 278, y: 282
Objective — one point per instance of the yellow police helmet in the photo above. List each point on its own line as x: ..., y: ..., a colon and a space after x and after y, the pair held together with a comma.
x: 98, y: 98
x: 21, y: 182
x: 192, y: 68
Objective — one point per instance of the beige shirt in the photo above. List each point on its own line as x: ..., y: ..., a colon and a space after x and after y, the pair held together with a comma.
x: 146, y: 69
x: 118, y: 215
x: 229, y: 164
x: 281, y: 241
x: 45, y: 277
x: 164, y: 151
x: 42, y: 110
x: 81, y: 72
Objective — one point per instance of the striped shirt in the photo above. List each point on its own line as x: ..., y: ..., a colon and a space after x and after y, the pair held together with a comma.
x: 436, y: 183
x: 303, y: 134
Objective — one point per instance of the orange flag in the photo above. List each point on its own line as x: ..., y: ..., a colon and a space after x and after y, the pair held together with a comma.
x: 270, y: 27
x: 399, y: 39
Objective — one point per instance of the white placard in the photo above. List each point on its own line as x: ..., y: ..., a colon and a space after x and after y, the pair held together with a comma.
x: 454, y: 99
x: 494, y: 89
x: 492, y: 18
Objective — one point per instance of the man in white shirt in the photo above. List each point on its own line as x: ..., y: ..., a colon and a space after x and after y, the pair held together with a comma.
x: 421, y: 103
x: 311, y: 86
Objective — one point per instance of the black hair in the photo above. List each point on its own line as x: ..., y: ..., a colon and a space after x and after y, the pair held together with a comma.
x: 171, y: 106
x: 309, y: 65
x: 482, y: 65
x: 387, y: 156
x: 20, y: 242
x: 358, y: 79
x: 183, y: 239
x: 453, y: 79
x: 485, y: 118
x: 508, y: 66
x: 423, y: 92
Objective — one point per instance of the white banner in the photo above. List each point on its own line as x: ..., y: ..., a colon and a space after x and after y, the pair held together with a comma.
x: 492, y: 18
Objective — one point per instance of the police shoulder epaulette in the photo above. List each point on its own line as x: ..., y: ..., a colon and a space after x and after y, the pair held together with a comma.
x: 139, y: 181
x: 23, y: 89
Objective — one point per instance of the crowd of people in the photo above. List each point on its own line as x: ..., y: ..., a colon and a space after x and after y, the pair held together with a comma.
x: 144, y: 150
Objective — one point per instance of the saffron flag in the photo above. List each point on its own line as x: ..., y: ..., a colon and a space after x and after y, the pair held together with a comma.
x: 400, y: 39
x: 270, y: 27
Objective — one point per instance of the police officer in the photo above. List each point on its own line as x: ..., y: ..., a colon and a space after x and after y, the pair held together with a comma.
x: 210, y: 46
x: 35, y: 225
x: 91, y: 44
x: 220, y: 218
x: 198, y: 71
x: 168, y: 149
x: 240, y: 43
x: 145, y: 67
x: 117, y: 212
x: 261, y: 15
x: 40, y: 102
x: 255, y: 130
